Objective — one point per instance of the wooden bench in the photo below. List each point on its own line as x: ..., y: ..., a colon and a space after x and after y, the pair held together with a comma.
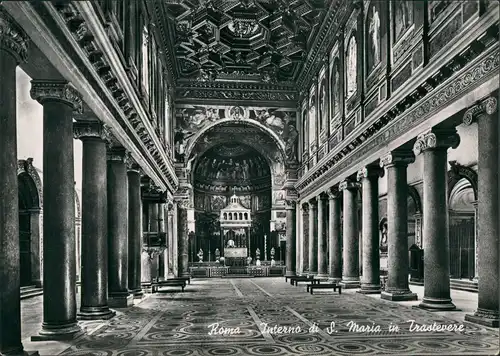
x: 311, y: 287
x: 185, y: 279
x: 300, y: 278
x: 310, y: 280
x: 168, y: 283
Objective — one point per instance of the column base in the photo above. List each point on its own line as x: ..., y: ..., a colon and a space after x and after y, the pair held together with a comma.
x: 37, y: 283
x: 437, y: 304
x: 290, y: 274
x: 399, y: 295
x: 95, y: 313
x: 334, y: 279
x: 322, y: 276
x: 63, y: 332
x: 137, y: 293
x: 120, y: 300
x: 369, y: 289
x: 484, y: 317
x: 349, y: 284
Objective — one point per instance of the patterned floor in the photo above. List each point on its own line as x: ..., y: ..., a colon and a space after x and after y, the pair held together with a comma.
x: 174, y: 323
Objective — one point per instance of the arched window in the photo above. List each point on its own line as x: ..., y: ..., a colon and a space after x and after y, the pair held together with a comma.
x: 230, y: 216
x: 246, y: 216
x: 241, y: 216
x: 225, y: 216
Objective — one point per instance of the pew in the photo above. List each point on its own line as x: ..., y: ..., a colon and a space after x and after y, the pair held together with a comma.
x: 334, y: 286
x: 300, y: 278
x: 155, y: 286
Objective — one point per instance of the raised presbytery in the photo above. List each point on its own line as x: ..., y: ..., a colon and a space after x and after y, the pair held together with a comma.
x: 173, y: 172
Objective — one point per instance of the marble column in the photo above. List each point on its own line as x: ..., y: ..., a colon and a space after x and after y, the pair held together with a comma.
x: 433, y: 145
x: 94, y: 248
x: 305, y: 237
x: 350, y: 273
x: 487, y: 312
x: 183, y: 237
x: 370, y: 282
x: 134, y: 229
x: 290, y: 237
x: 396, y: 164
x: 119, y: 296
x: 335, y: 235
x: 170, y: 229
x: 13, y: 50
x: 36, y: 277
x: 59, y: 100
x: 313, y: 237
x: 322, y: 242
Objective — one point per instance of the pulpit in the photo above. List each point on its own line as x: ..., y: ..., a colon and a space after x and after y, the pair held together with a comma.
x: 235, y: 222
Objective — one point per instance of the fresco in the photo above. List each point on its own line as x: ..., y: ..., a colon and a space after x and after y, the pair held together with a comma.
x: 239, y: 169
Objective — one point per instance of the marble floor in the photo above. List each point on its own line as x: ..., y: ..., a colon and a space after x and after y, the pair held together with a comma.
x: 238, y: 317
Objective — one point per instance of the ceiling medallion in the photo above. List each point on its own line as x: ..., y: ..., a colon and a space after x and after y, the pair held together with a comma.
x: 243, y: 28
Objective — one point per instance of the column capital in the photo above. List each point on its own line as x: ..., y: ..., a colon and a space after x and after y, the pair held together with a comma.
x: 436, y: 139
x: 321, y: 196
x: 348, y: 184
x: 89, y: 129
x: 56, y: 90
x: 12, y: 37
x: 369, y: 172
x: 132, y: 165
x: 182, y: 203
x: 117, y: 154
x: 397, y: 157
x: 313, y: 204
x: 305, y: 208
x: 487, y: 106
x: 290, y: 204
x: 333, y: 193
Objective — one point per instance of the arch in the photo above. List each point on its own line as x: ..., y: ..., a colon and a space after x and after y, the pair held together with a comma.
x: 28, y: 194
x: 457, y: 172
x: 27, y: 174
x: 462, y: 197
x: 413, y: 193
x: 250, y: 122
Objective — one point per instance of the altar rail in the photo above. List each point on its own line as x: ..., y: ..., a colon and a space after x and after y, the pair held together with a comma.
x: 221, y: 271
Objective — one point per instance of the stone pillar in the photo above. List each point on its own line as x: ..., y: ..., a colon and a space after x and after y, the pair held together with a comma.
x: 134, y: 229
x: 36, y: 277
x: 170, y: 229
x: 322, y: 243
x: 290, y: 238
x: 59, y: 100
x: 183, y: 238
x: 370, y: 283
x: 305, y: 237
x: 476, y: 257
x: 335, y: 235
x: 13, y: 50
x: 487, y: 312
x: 153, y: 217
x: 313, y: 237
x: 119, y: 296
x: 434, y: 145
x: 94, y: 249
x: 396, y: 164
x: 350, y: 273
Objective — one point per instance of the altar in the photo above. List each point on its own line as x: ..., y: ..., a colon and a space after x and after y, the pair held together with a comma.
x: 235, y: 223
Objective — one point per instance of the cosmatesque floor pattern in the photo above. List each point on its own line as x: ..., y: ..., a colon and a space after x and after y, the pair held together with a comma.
x: 174, y: 323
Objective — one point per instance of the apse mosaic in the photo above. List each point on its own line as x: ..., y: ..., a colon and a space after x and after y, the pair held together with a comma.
x: 200, y: 320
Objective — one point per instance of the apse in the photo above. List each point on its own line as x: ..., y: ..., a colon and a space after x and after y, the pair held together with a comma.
x: 231, y: 172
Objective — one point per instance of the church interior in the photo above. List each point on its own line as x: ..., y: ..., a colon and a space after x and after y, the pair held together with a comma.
x: 249, y: 177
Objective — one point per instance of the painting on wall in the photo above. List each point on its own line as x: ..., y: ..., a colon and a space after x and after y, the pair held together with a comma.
x: 322, y: 104
x: 403, y: 17
x: 335, y: 87
x: 312, y: 120
x: 373, y: 37
x: 305, y: 131
x: 351, y: 66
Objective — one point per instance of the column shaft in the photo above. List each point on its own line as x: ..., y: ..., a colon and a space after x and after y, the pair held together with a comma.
x: 397, y: 228
x: 118, y: 230
x: 335, y: 237
x: 290, y: 239
x: 313, y: 238
x: 10, y: 305
x: 134, y: 231
x: 94, y: 250
x: 370, y: 282
x: 305, y: 237
x: 322, y: 243
x: 183, y: 238
x: 350, y: 275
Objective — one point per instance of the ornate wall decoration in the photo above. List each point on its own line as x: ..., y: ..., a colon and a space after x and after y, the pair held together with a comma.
x: 373, y: 36
x: 403, y: 17
x: 351, y: 65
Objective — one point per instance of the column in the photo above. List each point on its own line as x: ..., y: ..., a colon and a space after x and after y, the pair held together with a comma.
x: 487, y: 312
x: 313, y: 237
x: 36, y: 277
x: 183, y: 238
x: 59, y: 100
x: 396, y: 163
x: 368, y: 176
x: 290, y: 237
x: 170, y: 229
x: 433, y: 145
x: 134, y: 229
x: 305, y: 237
x: 94, y: 248
x: 119, y: 296
x: 350, y: 273
x: 153, y: 217
x: 335, y: 235
x: 13, y: 50
x: 322, y: 261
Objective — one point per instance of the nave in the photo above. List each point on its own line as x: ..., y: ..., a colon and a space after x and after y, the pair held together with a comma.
x: 174, y: 323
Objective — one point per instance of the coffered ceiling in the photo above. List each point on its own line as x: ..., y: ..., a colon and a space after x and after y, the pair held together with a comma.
x: 243, y: 41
